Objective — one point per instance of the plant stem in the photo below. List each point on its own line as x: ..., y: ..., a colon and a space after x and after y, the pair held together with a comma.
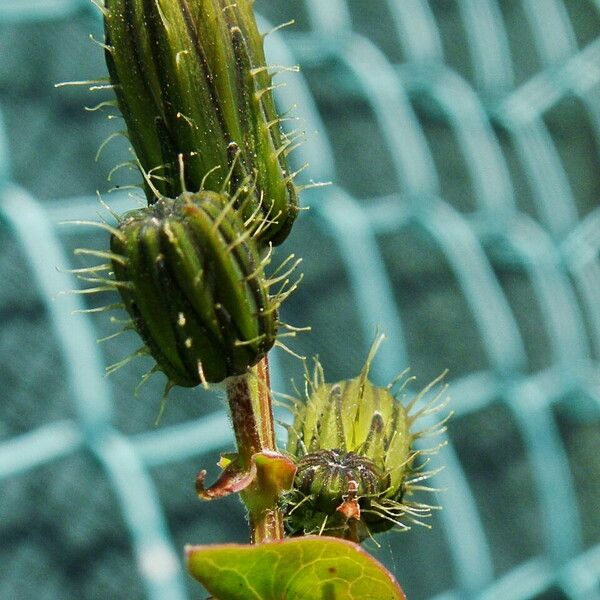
x: 241, y: 395
x: 251, y: 409
x: 265, y: 403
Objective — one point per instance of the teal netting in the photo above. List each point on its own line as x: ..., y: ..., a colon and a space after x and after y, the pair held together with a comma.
x: 463, y: 140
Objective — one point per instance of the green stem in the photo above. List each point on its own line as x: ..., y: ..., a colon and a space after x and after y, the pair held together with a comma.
x: 251, y: 408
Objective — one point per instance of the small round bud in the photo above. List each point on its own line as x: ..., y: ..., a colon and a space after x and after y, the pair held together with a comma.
x: 355, y: 457
x: 326, y: 475
x: 192, y: 280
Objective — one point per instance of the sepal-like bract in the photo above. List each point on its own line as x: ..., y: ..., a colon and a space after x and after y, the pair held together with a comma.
x: 192, y: 280
x: 193, y: 86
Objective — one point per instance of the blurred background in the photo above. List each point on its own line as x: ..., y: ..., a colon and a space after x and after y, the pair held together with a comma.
x: 462, y: 140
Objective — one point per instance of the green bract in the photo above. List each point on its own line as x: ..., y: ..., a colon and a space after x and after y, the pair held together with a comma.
x: 357, y: 465
x: 193, y: 86
x: 192, y: 280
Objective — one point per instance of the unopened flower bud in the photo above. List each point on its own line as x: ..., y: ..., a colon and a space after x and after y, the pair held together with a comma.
x: 192, y: 280
x: 192, y: 84
x: 356, y: 460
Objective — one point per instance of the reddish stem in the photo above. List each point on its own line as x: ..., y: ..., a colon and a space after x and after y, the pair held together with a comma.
x: 251, y: 408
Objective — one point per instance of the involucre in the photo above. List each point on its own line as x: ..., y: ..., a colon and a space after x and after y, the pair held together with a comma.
x: 357, y: 467
x: 192, y: 280
x: 193, y: 86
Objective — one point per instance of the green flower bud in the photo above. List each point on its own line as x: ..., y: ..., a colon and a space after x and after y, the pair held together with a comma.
x: 192, y: 280
x: 192, y: 84
x: 357, y: 465
x: 327, y: 474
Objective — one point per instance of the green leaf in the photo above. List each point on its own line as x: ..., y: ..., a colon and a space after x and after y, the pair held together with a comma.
x: 307, y: 568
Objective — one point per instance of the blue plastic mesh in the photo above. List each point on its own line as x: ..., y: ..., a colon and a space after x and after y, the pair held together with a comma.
x: 463, y: 222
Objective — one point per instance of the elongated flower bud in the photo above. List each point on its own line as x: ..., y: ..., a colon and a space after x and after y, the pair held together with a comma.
x: 355, y: 458
x: 191, y: 82
x: 192, y: 280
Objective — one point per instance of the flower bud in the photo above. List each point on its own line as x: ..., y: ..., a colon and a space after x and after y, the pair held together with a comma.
x: 191, y: 81
x: 192, y: 280
x: 355, y: 457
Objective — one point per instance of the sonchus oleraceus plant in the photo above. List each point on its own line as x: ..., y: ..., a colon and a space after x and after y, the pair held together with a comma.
x: 192, y: 269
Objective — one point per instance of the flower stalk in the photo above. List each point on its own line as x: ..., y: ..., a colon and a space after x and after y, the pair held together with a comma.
x: 250, y: 403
